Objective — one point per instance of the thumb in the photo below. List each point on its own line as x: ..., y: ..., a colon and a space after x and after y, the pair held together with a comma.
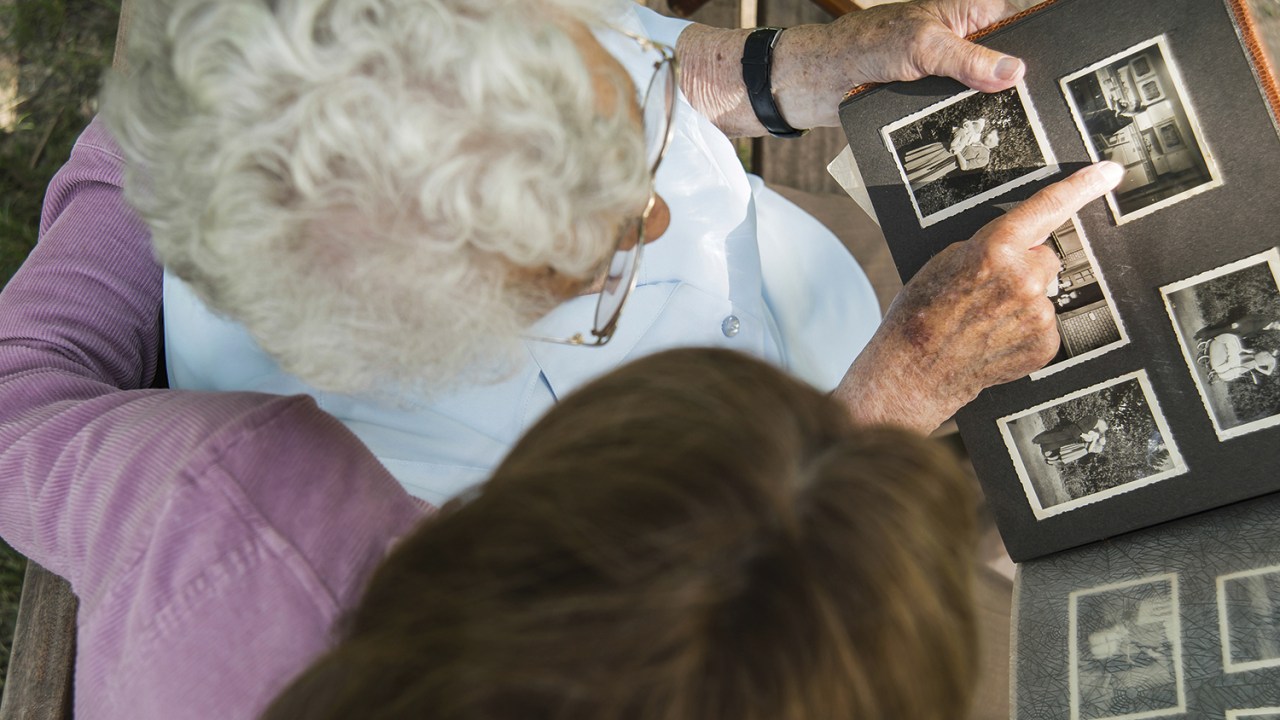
x: 978, y: 67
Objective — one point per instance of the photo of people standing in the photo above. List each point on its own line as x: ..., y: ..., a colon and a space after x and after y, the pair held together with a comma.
x: 1071, y: 440
x: 1092, y: 444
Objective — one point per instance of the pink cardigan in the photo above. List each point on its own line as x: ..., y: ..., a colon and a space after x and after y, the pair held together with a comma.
x: 212, y: 539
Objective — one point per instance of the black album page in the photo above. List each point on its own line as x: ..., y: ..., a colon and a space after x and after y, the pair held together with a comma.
x: 1164, y: 399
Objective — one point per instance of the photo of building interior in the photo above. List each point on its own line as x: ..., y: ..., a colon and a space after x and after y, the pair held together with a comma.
x: 1134, y: 114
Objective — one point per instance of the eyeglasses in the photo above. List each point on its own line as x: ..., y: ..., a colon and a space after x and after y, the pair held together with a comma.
x: 657, y: 108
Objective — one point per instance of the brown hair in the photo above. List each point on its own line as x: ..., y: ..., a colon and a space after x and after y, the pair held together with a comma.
x: 692, y: 537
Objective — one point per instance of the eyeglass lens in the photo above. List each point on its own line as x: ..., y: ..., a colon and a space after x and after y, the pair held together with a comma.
x: 658, y: 108
x: 621, y: 275
x: 659, y: 104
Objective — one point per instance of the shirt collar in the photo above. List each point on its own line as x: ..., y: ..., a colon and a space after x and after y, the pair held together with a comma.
x: 568, y: 367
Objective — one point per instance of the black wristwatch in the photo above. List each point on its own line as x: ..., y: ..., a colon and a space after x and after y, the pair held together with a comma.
x: 757, y: 67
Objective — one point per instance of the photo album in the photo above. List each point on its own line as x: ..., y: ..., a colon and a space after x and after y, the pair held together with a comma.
x: 1136, y: 477
x: 1164, y: 398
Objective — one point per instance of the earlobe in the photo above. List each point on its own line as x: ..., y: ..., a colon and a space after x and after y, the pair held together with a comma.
x: 657, y: 220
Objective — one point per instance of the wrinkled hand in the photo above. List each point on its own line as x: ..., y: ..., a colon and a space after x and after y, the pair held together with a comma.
x: 976, y: 315
x: 815, y: 65
x: 914, y: 40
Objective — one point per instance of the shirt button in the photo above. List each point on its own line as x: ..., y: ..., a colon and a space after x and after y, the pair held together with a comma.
x: 730, y: 326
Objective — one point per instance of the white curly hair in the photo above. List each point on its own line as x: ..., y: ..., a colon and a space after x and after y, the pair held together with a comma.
x: 379, y: 190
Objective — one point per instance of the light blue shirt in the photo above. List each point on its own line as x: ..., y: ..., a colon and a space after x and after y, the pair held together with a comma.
x: 740, y: 267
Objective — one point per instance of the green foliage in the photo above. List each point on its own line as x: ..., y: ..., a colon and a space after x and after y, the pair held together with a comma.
x: 1251, y: 290
x: 57, y: 51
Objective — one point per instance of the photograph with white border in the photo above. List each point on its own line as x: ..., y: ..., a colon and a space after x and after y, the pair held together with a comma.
x: 1249, y: 619
x: 1088, y: 324
x: 967, y: 149
x: 1126, y: 650
x: 1228, y: 325
x: 1133, y: 108
x: 1093, y: 444
x: 1267, y: 713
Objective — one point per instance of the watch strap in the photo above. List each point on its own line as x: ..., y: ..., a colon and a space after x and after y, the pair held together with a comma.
x: 757, y: 70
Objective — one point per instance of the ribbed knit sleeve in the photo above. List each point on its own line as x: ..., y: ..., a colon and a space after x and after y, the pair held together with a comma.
x: 87, y: 471
x: 79, y: 321
x: 212, y: 538
x: 113, y: 327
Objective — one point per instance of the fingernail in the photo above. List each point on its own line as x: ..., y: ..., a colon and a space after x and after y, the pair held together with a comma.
x: 1110, y: 172
x: 1008, y: 68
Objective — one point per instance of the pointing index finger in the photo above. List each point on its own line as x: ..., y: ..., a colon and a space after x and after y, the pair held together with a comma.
x: 1032, y: 221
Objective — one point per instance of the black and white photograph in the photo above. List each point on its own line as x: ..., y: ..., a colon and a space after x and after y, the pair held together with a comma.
x: 1133, y: 108
x: 1086, y: 317
x: 968, y: 149
x: 1095, y: 443
x: 1126, y: 651
x: 1249, y: 619
x: 1228, y: 325
x: 1268, y: 713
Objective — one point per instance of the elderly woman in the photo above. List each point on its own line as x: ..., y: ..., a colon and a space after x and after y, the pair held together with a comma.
x: 234, y: 551
x: 423, y: 212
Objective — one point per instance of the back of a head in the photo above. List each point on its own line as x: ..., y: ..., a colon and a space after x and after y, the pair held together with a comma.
x: 355, y: 180
x: 693, y: 537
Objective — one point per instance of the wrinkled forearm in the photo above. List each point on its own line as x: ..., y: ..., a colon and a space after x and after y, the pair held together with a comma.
x: 815, y: 65
x: 711, y: 62
x: 883, y: 387
x: 711, y: 78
